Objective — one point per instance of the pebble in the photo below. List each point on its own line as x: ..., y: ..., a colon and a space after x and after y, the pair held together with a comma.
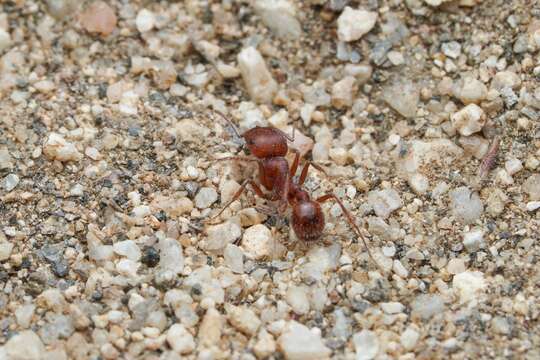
x: 99, y: 18
x: 26, y: 345
x: 473, y: 240
x: 501, y: 325
x: 260, y: 84
x: 211, y: 328
x: 384, y: 202
x: 409, y: 338
x: 352, y: 24
x: 5, y: 159
x: 505, y: 79
x: 234, y: 258
x: 299, y: 343
x: 466, y: 206
x: 298, y: 300
x: 471, y: 91
x: 206, y: 197
x: 396, y: 58
x: 403, y: 97
x: 265, y: 345
x: 257, y: 242
x: 280, y: 17
x: 366, y: 344
x: 343, y: 92
x: 469, y: 120
x: 532, y: 187
x: 468, y: 285
x: 127, y: 248
x: 513, y: 166
x: 418, y: 183
x: 24, y: 314
x: 10, y: 182
x: 392, y: 307
x: 219, y: 236
x: 60, y: 9
x: 57, y: 148
x: 171, y: 257
x: 243, y: 319
x: 456, y: 266
x: 5, y: 40
x: 451, y: 49
x: 145, y: 20
x: 531, y: 206
x: 425, y: 306
x: 180, y: 340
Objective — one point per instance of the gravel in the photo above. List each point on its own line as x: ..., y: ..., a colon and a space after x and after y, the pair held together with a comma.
x: 110, y: 179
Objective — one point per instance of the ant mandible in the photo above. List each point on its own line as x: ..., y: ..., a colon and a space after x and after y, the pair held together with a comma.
x: 269, y: 146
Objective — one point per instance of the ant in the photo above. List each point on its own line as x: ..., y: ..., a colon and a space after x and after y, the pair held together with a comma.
x: 269, y: 146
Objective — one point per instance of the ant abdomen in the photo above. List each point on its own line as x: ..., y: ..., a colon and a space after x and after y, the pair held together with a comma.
x: 308, y: 220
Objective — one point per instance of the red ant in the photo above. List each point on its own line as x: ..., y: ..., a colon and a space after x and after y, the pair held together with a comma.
x: 269, y: 146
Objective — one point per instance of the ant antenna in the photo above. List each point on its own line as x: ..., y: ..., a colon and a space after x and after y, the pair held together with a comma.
x: 235, y: 129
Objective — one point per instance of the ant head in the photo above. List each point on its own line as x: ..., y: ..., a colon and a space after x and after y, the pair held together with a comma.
x: 265, y: 142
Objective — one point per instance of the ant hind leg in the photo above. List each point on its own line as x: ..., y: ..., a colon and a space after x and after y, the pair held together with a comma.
x: 350, y: 220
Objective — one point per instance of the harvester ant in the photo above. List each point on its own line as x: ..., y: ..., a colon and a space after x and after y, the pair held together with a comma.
x: 269, y: 146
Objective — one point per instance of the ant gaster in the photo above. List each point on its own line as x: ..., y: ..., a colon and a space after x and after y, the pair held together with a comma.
x: 269, y: 146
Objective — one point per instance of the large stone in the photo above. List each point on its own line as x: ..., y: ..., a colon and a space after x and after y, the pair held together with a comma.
x: 260, y: 84
x: 280, y: 17
x: 26, y: 345
x: 299, y: 343
x: 353, y: 24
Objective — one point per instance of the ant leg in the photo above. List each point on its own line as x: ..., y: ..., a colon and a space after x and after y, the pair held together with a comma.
x: 296, y: 162
x: 242, y: 188
x: 349, y: 217
x: 304, y: 173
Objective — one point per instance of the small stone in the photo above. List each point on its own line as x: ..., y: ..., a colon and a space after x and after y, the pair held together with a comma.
x: 475, y: 145
x: 473, y: 240
x: 396, y: 58
x: 24, y: 314
x: 409, y: 338
x: 451, y: 49
x: 5, y: 40
x: 419, y: 183
x: 259, y: 82
x: 257, y: 242
x: 127, y: 248
x: 366, y: 345
x: 5, y: 159
x: 219, y: 236
x: 211, y: 328
x: 343, y: 92
x: 532, y: 187
x: 44, y: 86
x: 265, y: 345
x: 180, y: 340
x: 234, y: 258
x: 501, y: 325
x: 10, y: 182
x: 531, y: 206
x: 468, y: 285
x: 299, y: 343
x: 57, y: 148
x: 26, y: 345
x: 128, y: 268
x: 505, y: 79
x: 400, y: 270
x: 402, y: 97
x: 243, y: 319
x: 5, y: 248
x: 145, y: 20
x: 353, y: 24
x: 361, y: 72
x: 150, y: 256
x: 171, y: 255
x: 384, y: 202
x: 60, y: 9
x: 280, y: 17
x: 392, y: 307
x: 99, y: 18
x: 469, y: 120
x: 513, y: 166
x: 205, y: 197
x: 471, y: 91
x: 466, y: 206
x: 426, y: 306
x: 456, y: 266
x: 298, y: 300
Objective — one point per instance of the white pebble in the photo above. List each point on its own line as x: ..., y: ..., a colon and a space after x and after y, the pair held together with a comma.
x: 257, y: 242
x: 259, y: 82
x: 206, y: 197
x: 180, y: 340
x: 469, y: 120
x: 145, y: 20
x: 366, y: 344
x: 353, y: 24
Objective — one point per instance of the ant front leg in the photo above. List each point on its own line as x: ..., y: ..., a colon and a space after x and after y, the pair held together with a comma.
x: 242, y: 188
x: 332, y: 196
